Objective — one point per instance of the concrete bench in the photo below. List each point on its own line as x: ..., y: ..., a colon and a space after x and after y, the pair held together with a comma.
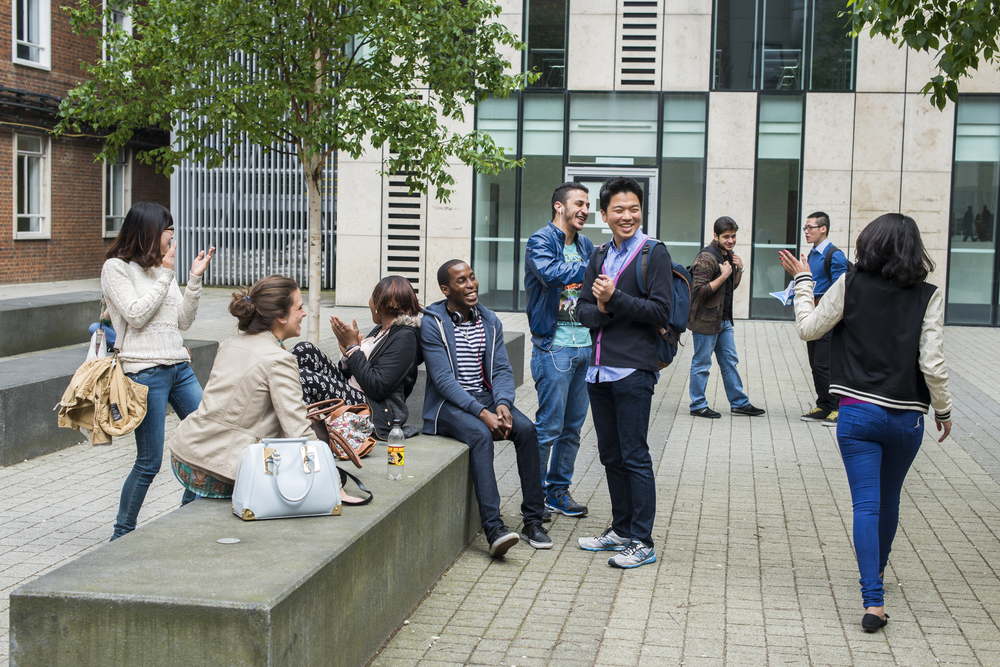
x: 31, y: 386
x: 313, y: 591
x: 30, y: 324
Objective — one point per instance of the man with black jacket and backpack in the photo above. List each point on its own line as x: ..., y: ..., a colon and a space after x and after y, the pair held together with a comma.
x: 623, y: 369
x: 715, y: 274
x: 827, y: 263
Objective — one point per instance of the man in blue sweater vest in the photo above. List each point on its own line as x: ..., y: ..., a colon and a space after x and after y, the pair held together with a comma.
x: 470, y: 397
x: 624, y: 326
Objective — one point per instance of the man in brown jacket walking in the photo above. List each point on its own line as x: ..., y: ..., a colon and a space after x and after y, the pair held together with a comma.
x: 716, y: 272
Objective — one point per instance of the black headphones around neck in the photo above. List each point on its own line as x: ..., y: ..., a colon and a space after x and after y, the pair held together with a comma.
x: 457, y: 318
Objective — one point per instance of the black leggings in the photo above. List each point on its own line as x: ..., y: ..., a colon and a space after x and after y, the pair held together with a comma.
x: 321, y: 378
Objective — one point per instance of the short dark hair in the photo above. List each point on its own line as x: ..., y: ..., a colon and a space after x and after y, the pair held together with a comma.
x: 444, y: 276
x: 890, y: 247
x: 560, y: 193
x: 395, y: 295
x: 824, y: 219
x: 139, y: 238
x: 257, y: 308
x: 725, y: 224
x: 618, y: 185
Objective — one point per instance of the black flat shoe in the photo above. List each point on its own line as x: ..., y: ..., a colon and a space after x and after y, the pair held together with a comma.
x: 707, y: 413
x: 872, y: 622
x: 748, y: 410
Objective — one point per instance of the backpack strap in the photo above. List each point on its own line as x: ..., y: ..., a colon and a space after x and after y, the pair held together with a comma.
x: 828, y: 261
x: 642, y: 266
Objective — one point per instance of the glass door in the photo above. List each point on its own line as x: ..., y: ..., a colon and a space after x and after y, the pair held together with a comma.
x: 595, y: 177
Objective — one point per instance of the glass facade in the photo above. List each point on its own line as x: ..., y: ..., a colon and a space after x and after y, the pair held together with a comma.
x: 658, y: 138
x: 776, y: 200
x: 782, y: 45
x: 972, y: 266
x: 546, y: 39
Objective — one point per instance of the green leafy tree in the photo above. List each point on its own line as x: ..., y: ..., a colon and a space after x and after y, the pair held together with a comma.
x: 960, y: 32
x: 317, y: 75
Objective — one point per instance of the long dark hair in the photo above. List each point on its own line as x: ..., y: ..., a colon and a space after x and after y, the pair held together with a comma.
x: 890, y: 247
x: 139, y: 239
x: 395, y: 295
x: 257, y: 308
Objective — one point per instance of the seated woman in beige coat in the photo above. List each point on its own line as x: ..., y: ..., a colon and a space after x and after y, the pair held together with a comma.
x: 252, y: 393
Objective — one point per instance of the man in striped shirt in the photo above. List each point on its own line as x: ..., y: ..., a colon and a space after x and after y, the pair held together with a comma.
x: 470, y: 397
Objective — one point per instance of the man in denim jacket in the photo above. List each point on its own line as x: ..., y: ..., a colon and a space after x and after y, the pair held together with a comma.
x: 554, y: 264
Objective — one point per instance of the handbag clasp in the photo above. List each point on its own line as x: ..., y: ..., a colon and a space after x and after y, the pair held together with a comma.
x: 269, y: 458
x: 309, y: 455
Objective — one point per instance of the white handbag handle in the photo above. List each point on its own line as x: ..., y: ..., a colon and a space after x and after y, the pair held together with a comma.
x: 277, y: 486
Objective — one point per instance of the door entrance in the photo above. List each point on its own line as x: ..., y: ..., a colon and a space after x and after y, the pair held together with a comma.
x: 594, y: 177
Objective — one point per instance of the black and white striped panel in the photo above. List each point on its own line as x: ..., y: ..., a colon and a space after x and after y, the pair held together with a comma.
x: 640, y: 34
x: 403, y: 231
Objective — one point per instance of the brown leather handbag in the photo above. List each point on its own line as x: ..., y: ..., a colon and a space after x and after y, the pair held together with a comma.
x: 348, y: 429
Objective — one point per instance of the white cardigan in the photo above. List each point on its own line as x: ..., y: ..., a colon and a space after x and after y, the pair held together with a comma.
x: 150, y: 303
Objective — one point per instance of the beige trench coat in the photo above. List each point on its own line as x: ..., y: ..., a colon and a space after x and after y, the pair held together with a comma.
x: 253, y: 393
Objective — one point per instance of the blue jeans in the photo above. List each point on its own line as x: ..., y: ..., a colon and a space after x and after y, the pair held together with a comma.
x: 877, y: 445
x: 621, y: 419
x: 724, y: 346
x: 177, y: 386
x: 470, y: 429
x: 560, y: 376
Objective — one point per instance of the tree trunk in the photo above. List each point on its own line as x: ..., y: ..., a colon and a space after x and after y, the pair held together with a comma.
x: 312, y: 164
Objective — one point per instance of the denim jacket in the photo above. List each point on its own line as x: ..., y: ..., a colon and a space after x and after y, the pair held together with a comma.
x: 437, y: 342
x: 545, y: 274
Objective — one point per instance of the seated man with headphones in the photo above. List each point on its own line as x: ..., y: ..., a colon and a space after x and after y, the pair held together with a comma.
x: 470, y: 397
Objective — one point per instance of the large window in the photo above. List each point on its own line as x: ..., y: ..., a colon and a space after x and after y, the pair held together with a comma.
x: 782, y: 45
x: 117, y: 19
x: 613, y: 129
x: 496, y: 198
x: 776, y: 200
x: 30, y: 187
x: 546, y: 38
x: 31, y: 32
x: 682, y: 175
x: 975, y: 198
x: 117, y: 192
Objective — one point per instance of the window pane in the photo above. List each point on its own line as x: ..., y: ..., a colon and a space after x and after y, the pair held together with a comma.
x: 975, y: 186
x: 29, y: 144
x: 33, y: 24
x: 33, y: 183
x: 547, y: 42
x: 613, y: 128
x: 493, y: 251
x: 783, y: 39
x: 735, y: 28
x: 833, y: 49
x: 682, y: 174
x: 776, y: 208
x: 543, y: 167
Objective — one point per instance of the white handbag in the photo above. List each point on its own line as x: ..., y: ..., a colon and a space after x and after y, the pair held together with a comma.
x: 281, y: 478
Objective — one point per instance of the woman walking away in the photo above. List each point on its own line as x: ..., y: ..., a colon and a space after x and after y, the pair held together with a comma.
x: 379, y: 369
x: 149, y: 313
x: 887, y: 365
x: 253, y: 392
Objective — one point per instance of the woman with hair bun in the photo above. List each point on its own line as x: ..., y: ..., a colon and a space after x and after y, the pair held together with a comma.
x: 149, y: 312
x: 379, y: 369
x: 252, y: 393
x: 887, y: 365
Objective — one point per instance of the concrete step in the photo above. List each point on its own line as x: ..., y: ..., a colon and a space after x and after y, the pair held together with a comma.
x: 31, y: 386
x: 312, y: 591
x: 43, y: 322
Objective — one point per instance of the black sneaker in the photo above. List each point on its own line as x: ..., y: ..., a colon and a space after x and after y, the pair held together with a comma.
x: 748, y: 410
x: 535, y: 535
x: 501, y: 540
x: 817, y: 414
x: 563, y: 503
x: 707, y: 413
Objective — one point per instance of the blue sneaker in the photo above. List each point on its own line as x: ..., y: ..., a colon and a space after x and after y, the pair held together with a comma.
x: 606, y: 541
x: 563, y: 503
x: 634, y: 554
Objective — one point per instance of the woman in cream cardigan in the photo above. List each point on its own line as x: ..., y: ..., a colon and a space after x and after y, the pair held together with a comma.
x: 149, y: 312
x: 252, y: 393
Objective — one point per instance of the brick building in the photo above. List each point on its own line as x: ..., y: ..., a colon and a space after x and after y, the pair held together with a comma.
x: 63, y: 208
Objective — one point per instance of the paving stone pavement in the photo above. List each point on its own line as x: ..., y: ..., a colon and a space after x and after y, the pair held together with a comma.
x: 753, y: 533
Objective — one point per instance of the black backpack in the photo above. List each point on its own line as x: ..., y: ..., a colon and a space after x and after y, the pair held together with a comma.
x: 828, y: 261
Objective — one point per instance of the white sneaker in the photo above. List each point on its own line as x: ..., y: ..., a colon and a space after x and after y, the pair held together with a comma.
x: 634, y: 554
x: 606, y: 541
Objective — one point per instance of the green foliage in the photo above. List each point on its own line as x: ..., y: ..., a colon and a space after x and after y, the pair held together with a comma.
x: 320, y: 75
x: 967, y: 29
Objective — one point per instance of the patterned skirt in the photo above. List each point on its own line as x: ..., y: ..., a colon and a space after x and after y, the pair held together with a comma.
x: 321, y: 378
x: 199, y: 481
